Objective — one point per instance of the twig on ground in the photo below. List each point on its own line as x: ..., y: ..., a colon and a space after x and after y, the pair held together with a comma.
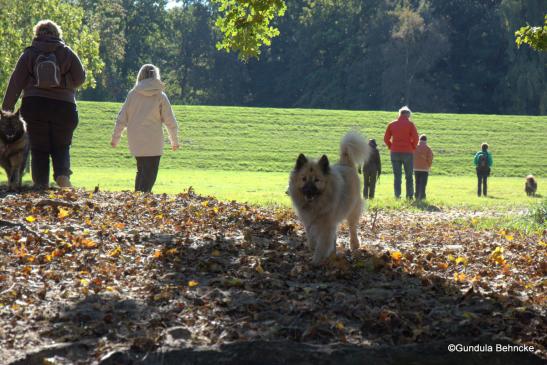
x: 7, y: 290
x: 56, y: 203
x: 4, y: 223
x: 374, y: 219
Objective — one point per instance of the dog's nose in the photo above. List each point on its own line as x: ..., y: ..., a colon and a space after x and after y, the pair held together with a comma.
x: 310, y: 189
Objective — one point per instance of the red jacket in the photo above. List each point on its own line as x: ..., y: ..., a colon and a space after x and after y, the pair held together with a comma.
x: 401, y: 135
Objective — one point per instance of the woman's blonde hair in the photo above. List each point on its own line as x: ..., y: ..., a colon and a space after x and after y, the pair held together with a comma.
x: 405, y: 110
x: 148, y: 71
x: 47, y: 28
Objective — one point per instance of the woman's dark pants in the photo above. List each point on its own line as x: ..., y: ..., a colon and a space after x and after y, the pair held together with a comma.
x: 147, y: 171
x: 50, y: 125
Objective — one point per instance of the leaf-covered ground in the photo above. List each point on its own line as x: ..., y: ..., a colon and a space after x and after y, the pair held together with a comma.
x: 130, y: 273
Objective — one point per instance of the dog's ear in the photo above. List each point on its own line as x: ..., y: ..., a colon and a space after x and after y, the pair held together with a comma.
x: 324, y: 164
x: 300, y: 161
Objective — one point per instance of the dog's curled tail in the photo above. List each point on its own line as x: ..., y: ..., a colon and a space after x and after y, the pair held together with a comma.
x: 353, y: 149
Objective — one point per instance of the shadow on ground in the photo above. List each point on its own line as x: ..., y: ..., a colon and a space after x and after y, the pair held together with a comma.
x: 357, y: 310
x: 239, y: 289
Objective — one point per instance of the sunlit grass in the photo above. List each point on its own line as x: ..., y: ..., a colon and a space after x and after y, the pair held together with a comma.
x: 269, y: 140
x: 245, y: 154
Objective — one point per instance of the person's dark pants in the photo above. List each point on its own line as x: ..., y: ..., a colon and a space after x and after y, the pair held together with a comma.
x: 50, y: 125
x: 400, y: 160
x: 147, y: 171
x: 421, y: 183
x: 482, y: 182
x: 369, y: 185
x: 60, y: 156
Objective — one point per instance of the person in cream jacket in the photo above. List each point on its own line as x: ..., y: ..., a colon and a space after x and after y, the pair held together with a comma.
x: 144, y: 113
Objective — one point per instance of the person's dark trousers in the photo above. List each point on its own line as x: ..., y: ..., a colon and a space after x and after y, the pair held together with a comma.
x: 369, y: 185
x: 147, y: 171
x: 482, y: 182
x: 421, y: 183
x: 50, y: 125
x: 400, y: 160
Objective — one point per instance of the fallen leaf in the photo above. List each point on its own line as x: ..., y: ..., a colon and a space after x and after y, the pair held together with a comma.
x: 461, y: 260
x: 89, y: 243
x: 442, y: 265
x: 459, y: 277
x: 259, y: 268
x: 63, y: 213
x: 396, y: 256
x: 115, y: 252
x: 193, y: 283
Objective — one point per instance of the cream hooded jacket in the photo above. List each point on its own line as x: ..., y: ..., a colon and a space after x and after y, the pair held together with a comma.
x: 143, y: 113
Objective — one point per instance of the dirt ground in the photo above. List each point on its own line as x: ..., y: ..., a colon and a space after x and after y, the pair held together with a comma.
x: 122, y: 277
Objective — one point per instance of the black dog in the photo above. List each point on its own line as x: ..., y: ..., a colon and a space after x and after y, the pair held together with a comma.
x: 14, y: 147
x: 531, y: 185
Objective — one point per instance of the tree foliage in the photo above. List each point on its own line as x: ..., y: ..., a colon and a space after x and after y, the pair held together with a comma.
x: 535, y: 37
x: 455, y: 56
x: 246, y: 25
x: 17, y: 19
x: 418, y: 43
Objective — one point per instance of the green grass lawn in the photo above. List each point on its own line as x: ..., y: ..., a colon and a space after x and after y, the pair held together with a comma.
x: 268, y: 188
x: 246, y: 153
x: 269, y: 140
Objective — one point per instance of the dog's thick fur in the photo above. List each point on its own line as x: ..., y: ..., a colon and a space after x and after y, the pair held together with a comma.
x: 323, y: 195
x: 531, y: 185
x: 14, y: 147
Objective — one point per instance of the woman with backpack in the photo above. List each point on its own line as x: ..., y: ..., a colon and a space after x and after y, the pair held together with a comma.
x: 483, y: 163
x: 48, y: 74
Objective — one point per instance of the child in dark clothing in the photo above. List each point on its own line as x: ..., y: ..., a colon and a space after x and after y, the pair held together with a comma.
x: 372, y: 168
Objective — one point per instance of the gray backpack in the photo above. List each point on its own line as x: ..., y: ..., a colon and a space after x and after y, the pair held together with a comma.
x: 47, y: 71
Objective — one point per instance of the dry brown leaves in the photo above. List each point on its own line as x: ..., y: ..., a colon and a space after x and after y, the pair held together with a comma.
x: 124, y: 270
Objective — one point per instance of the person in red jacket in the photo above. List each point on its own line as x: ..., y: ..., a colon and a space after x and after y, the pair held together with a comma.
x: 401, y: 138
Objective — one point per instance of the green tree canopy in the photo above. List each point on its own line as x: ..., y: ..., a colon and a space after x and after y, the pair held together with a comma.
x: 246, y: 25
x: 535, y: 37
x: 17, y: 19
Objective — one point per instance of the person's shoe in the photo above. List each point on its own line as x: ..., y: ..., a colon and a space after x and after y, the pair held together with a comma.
x: 40, y: 187
x: 63, y: 181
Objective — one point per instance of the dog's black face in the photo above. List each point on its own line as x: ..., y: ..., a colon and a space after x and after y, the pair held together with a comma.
x: 12, y: 127
x: 311, y: 177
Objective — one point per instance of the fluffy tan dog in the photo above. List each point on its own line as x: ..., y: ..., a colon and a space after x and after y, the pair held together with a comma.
x: 323, y: 195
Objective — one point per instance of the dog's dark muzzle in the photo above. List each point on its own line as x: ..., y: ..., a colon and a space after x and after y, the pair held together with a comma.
x: 11, y: 134
x: 310, y: 191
